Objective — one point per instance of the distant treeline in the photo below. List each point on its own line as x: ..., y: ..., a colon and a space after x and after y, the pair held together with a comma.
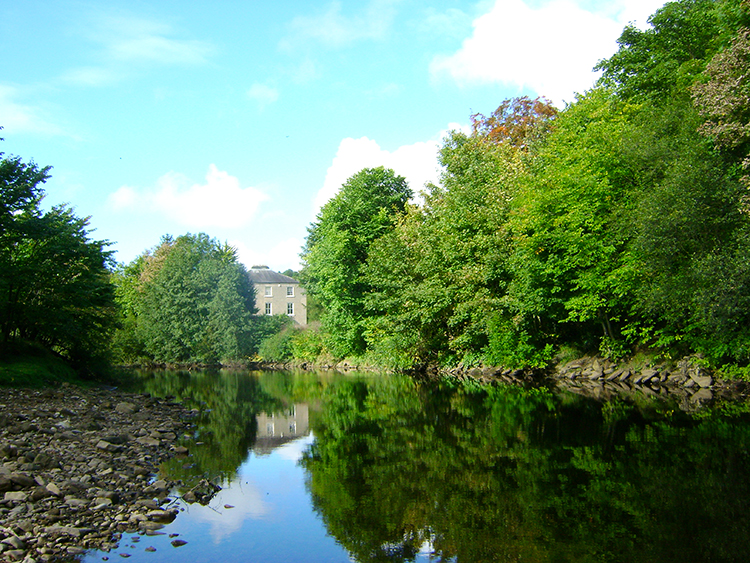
x: 619, y: 222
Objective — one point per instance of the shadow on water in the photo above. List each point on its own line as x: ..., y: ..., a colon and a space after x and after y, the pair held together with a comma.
x: 402, y: 470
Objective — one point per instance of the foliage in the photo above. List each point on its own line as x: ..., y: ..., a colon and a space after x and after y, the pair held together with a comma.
x: 437, y: 276
x: 277, y: 347
x: 665, y: 59
x: 337, y: 247
x: 54, y: 280
x: 188, y: 300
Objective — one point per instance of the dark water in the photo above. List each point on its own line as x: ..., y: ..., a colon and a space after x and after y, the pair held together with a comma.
x: 335, y: 468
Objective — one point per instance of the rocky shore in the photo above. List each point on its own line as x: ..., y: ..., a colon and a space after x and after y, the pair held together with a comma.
x: 684, y: 382
x: 78, y: 469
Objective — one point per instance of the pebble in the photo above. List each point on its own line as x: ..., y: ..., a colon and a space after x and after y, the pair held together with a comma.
x: 75, y: 469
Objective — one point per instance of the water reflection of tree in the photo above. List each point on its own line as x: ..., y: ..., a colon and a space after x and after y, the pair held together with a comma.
x: 228, y: 403
x: 226, y: 425
x: 518, y: 474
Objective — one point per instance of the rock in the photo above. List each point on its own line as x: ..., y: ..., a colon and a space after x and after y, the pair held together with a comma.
x: 700, y: 379
x: 702, y: 394
x: 148, y: 441
x: 15, y: 496
x: 117, y: 439
x: 178, y: 543
x: 181, y: 450
x: 107, y: 446
x: 165, y: 516
x: 54, y: 489
x: 14, y: 542
x: 22, y: 480
x: 39, y: 493
x: 126, y: 408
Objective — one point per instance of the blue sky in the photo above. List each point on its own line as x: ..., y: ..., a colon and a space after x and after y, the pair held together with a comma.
x: 239, y: 119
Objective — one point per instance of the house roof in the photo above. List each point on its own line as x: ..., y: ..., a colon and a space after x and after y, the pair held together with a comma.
x: 266, y: 275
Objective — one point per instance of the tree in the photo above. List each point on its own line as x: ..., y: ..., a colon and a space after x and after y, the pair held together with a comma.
x: 442, y: 273
x: 723, y: 99
x: 337, y: 247
x: 54, y: 280
x: 665, y: 59
x: 187, y: 300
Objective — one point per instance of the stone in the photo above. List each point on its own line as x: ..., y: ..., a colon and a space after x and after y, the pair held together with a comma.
x: 39, y: 493
x: 178, y: 543
x: 702, y: 394
x: 54, y: 489
x: 148, y: 441
x: 15, y: 542
x: 161, y: 516
x: 22, y: 480
x: 700, y: 379
x: 15, y: 496
x: 126, y: 408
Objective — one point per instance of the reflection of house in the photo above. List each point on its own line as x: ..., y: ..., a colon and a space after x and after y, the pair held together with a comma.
x: 277, y: 294
x: 276, y: 429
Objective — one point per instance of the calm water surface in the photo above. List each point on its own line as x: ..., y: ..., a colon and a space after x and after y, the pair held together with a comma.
x: 329, y: 468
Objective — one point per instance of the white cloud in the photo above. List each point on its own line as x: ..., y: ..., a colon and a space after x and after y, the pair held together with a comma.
x: 334, y: 29
x: 246, y: 501
x: 263, y: 94
x: 23, y: 118
x: 417, y: 163
x: 220, y: 202
x: 549, y: 49
x: 452, y: 23
x: 127, y: 43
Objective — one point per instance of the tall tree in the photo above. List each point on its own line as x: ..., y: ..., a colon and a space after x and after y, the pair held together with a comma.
x: 440, y: 275
x: 54, y: 280
x: 337, y: 247
x: 187, y: 300
x: 664, y: 59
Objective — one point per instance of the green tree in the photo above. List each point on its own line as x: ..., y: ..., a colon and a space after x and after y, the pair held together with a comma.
x: 54, y: 280
x: 337, y: 247
x: 439, y: 277
x: 188, y: 299
x: 664, y: 60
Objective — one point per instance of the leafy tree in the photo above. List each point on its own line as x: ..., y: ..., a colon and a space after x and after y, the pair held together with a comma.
x: 54, y: 280
x: 440, y: 275
x: 664, y: 60
x: 188, y: 299
x: 723, y: 99
x: 337, y: 247
x: 568, y: 237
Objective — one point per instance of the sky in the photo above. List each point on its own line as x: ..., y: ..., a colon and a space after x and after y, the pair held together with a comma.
x: 240, y: 119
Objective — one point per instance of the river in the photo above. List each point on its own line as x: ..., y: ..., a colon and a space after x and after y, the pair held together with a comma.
x: 326, y: 467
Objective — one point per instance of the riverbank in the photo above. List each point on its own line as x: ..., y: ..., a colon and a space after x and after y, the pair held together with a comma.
x: 77, y: 468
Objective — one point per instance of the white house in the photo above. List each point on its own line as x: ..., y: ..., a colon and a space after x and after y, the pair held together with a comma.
x: 277, y: 294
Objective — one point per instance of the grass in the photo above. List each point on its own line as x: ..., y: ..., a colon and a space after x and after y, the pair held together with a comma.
x: 30, y: 366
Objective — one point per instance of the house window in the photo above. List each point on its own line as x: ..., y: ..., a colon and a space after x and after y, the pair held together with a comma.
x: 269, y: 291
x: 290, y: 291
x: 290, y: 309
x: 268, y: 309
